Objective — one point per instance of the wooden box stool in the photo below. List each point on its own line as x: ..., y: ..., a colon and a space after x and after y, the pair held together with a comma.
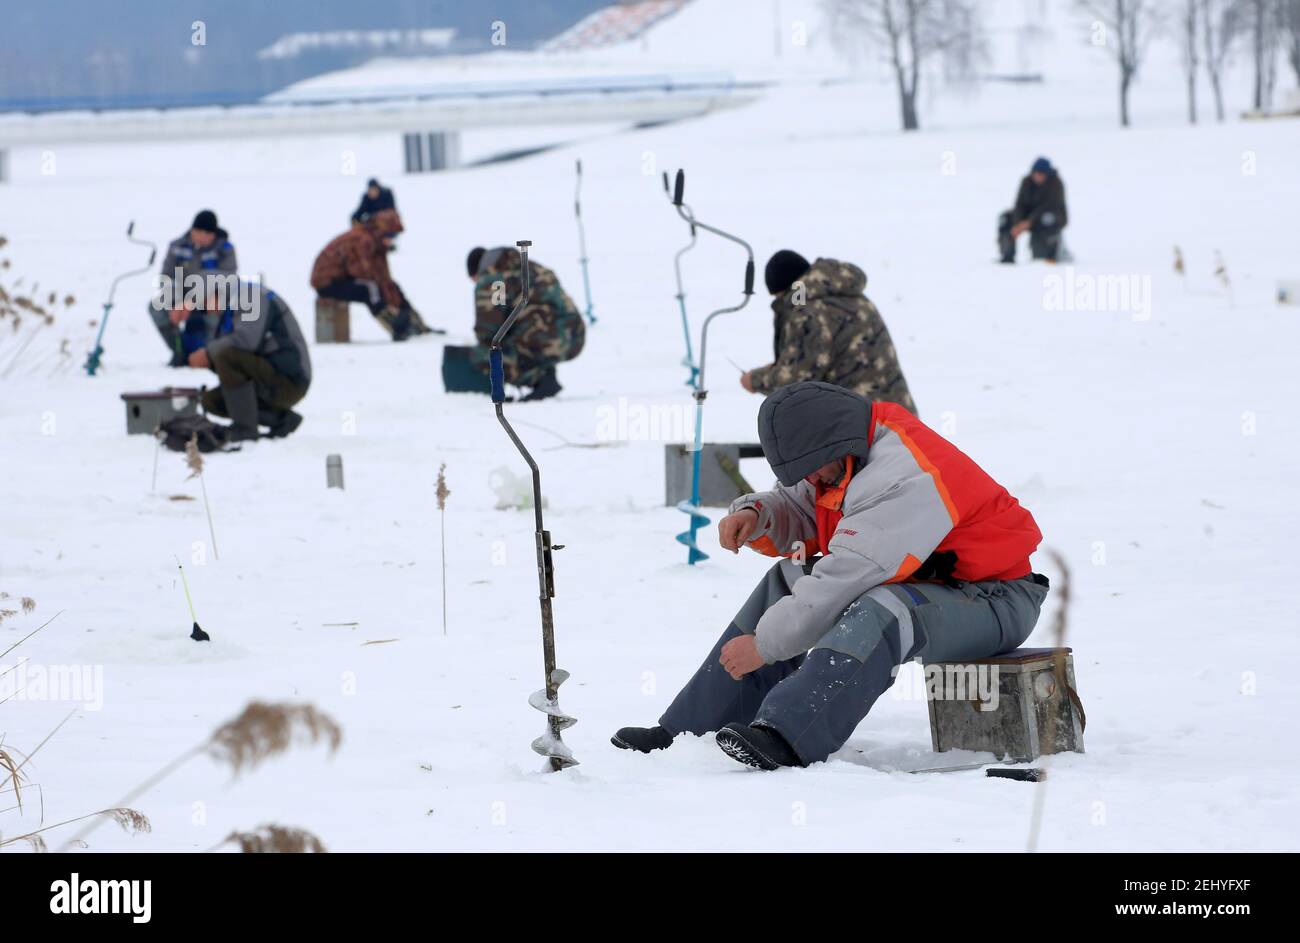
x: 332, y: 324
x: 1020, y: 705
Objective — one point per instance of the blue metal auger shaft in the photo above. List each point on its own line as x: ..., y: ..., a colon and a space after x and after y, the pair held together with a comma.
x: 582, y: 241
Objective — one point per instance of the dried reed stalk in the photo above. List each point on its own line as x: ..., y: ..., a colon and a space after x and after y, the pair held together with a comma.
x: 258, y: 733
x: 131, y: 821
x: 194, y: 461
x: 1059, y: 629
x: 442, y: 494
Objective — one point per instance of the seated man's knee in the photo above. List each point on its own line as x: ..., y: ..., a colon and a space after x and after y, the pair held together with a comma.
x: 859, y: 631
x: 229, y: 364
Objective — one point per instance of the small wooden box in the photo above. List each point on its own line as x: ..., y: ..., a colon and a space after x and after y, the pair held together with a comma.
x: 720, y: 479
x: 145, y: 412
x: 332, y: 324
x: 1037, y: 710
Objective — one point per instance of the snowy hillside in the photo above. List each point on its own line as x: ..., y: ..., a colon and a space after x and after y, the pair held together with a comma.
x: 1156, y: 445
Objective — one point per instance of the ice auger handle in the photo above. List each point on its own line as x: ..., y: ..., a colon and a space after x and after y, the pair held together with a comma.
x: 498, y: 374
x: 680, y: 189
x: 749, y: 277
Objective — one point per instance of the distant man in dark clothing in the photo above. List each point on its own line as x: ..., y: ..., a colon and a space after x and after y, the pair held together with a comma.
x: 375, y: 198
x: 1040, y: 210
x: 828, y: 330
x: 205, y: 249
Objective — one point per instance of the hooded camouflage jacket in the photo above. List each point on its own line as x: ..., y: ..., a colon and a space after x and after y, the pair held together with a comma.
x: 550, y: 328
x: 827, y: 329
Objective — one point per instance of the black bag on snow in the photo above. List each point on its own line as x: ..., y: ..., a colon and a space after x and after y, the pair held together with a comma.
x: 210, y: 437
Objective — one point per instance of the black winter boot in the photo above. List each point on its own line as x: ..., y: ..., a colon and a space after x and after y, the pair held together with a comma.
x: 403, y: 327
x: 241, y: 407
x: 279, y: 422
x: 756, y: 746
x: 642, y: 739
x: 546, y: 387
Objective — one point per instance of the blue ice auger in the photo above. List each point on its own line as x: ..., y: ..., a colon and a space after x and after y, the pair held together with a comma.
x: 582, y: 241
x: 692, y: 507
x: 92, y: 361
x: 546, y: 700
x: 689, y: 361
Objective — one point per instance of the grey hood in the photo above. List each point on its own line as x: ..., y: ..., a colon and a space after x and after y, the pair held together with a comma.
x: 806, y: 425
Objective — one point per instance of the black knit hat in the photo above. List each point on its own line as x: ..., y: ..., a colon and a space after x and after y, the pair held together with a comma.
x: 205, y: 221
x: 473, y: 259
x: 784, y: 268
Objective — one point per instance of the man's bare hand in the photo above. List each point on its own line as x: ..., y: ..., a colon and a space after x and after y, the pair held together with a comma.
x: 734, y: 530
x: 199, y: 358
x: 746, y: 382
x: 740, y: 656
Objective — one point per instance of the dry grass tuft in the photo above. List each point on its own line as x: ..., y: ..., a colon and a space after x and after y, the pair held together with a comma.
x: 276, y: 839
x: 11, y: 775
x: 442, y: 491
x: 193, y: 457
x: 263, y: 730
x: 131, y: 821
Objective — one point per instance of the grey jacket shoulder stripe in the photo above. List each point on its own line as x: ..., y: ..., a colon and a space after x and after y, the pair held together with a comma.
x: 892, y: 511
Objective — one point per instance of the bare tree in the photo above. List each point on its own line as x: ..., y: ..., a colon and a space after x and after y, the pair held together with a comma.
x: 1189, y: 20
x: 1123, y: 27
x: 1290, y: 17
x: 1221, y: 24
x: 910, y: 32
x: 1264, y: 17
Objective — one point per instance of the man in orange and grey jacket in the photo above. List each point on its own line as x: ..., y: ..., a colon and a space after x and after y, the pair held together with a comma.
x: 918, y: 552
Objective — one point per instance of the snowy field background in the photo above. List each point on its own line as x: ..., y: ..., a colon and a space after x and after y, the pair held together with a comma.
x: 1157, y: 449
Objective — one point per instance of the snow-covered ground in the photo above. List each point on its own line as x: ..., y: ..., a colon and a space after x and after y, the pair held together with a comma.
x: 1156, y: 445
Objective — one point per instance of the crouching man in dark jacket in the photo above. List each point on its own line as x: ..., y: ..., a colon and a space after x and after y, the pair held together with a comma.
x: 1039, y: 210
x: 918, y: 552
x: 260, y: 358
